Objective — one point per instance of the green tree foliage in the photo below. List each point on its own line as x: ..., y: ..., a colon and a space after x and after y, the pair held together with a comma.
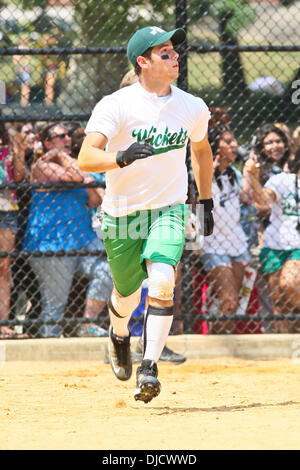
x: 231, y: 16
x: 236, y: 14
x: 110, y: 24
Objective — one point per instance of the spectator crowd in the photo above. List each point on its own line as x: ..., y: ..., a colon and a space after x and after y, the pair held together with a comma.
x: 54, y: 226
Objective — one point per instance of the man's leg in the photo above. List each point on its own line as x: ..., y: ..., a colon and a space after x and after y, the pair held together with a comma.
x: 162, y: 252
x: 128, y: 274
x: 167, y: 355
x: 120, y: 310
x: 157, y: 325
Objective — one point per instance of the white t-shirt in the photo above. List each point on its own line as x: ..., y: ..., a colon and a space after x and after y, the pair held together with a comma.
x: 281, y: 233
x: 132, y: 114
x: 228, y: 236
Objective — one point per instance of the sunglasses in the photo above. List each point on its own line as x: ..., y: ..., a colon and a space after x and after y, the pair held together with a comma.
x: 28, y: 132
x: 60, y: 136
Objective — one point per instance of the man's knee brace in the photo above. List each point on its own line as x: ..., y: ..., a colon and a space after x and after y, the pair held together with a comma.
x: 124, y: 306
x: 161, y: 280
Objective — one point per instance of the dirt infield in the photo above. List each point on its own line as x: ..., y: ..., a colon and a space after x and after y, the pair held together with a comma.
x: 204, y: 404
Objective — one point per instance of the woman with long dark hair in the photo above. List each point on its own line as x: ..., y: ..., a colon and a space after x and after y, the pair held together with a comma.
x: 280, y: 253
x: 270, y: 150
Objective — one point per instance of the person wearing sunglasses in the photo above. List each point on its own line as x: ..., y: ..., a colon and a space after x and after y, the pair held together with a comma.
x: 57, y: 136
x: 59, y: 219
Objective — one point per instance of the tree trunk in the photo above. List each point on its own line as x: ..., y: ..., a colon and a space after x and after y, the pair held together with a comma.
x: 232, y: 70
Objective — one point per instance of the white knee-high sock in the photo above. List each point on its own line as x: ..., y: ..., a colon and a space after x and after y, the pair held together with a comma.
x: 157, y: 325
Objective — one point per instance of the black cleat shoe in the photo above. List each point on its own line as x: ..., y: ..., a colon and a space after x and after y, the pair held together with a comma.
x: 147, y: 385
x: 167, y: 355
x: 120, y: 355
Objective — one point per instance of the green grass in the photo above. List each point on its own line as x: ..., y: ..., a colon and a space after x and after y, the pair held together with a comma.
x: 205, y: 69
x: 280, y: 65
x: 249, y: 111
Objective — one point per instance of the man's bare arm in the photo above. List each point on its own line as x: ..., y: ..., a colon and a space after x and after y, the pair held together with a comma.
x: 202, y: 164
x: 262, y: 196
x: 92, y: 156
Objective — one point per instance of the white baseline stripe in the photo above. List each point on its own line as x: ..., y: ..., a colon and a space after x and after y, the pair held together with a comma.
x: 2, y: 352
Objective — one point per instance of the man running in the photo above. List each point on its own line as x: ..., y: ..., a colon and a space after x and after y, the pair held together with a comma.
x: 139, y: 135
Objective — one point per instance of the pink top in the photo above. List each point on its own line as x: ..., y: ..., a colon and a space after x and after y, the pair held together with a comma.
x: 8, y: 197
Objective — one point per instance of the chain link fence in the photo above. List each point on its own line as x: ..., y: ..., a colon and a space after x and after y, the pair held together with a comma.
x: 58, y: 59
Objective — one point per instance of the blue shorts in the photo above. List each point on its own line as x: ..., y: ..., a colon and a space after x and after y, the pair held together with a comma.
x: 212, y: 260
x: 9, y: 221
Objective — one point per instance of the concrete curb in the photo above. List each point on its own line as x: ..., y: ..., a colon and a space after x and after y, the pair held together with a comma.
x: 255, y: 347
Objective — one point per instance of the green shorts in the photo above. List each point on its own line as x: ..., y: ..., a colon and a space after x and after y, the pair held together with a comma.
x: 272, y: 260
x: 157, y: 235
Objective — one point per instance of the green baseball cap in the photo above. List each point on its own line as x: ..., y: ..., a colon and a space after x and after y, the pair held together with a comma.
x: 151, y: 36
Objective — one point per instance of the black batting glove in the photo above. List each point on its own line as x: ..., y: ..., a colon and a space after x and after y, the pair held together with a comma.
x: 208, y: 216
x: 136, y: 151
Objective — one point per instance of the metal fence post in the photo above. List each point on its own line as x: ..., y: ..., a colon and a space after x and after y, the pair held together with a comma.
x: 181, y: 22
x: 187, y: 284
